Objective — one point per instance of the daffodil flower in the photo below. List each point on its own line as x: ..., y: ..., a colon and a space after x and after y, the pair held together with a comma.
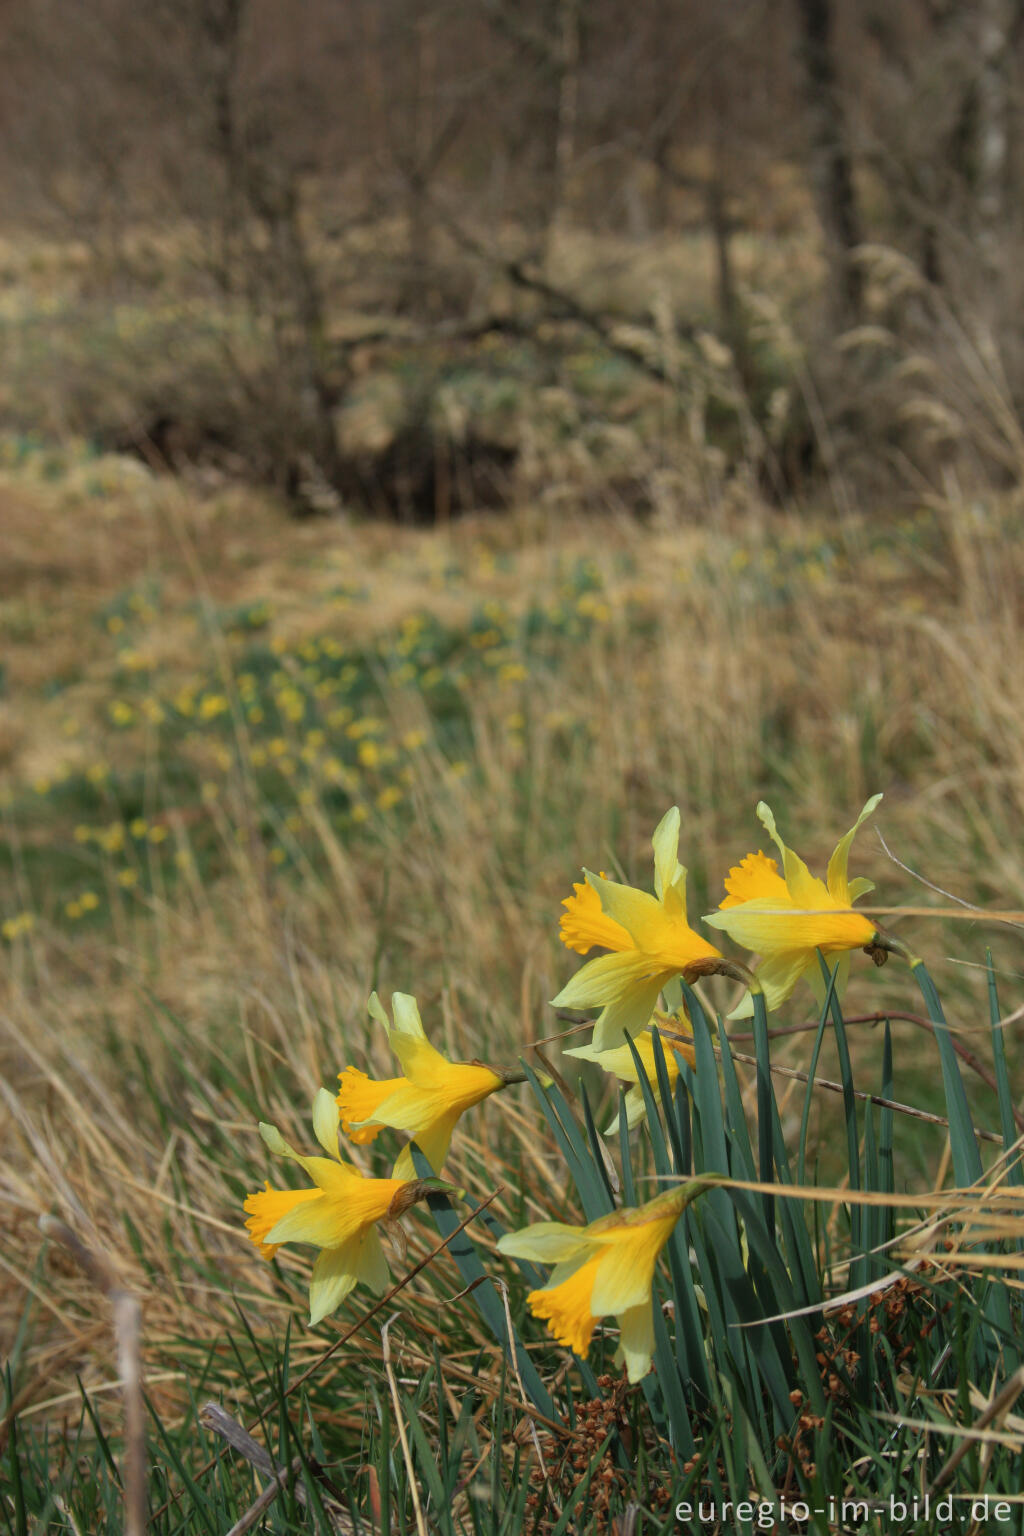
x: 787, y: 917
x: 620, y: 1063
x: 649, y: 937
x: 604, y: 1269
x: 427, y: 1101
x: 339, y: 1215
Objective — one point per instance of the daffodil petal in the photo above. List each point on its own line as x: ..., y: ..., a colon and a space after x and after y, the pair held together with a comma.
x: 804, y: 889
x: 626, y: 1270
x: 760, y: 925
x: 608, y: 979
x: 374, y: 1270
x: 780, y: 973
x: 407, y: 1015
x: 545, y: 1242
x: 636, y: 1340
x: 638, y: 912
x: 334, y: 1276
x: 817, y: 980
x: 665, y: 843
x: 565, y: 1306
x: 421, y: 1062
x: 587, y: 1053
x: 275, y: 1142
x: 359, y: 1098
x: 315, y: 1221
x: 408, y: 1107
x: 375, y: 1008
x: 858, y: 888
x: 636, y: 1111
x: 628, y: 1015
x: 325, y: 1122
x: 754, y: 876
x: 265, y: 1209
x: 433, y: 1141
x: 744, y: 1009
x: 584, y: 925
x: 836, y: 875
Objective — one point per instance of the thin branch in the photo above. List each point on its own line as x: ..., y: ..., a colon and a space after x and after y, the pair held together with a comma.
x: 213, y: 1418
x: 870, y: 1098
x: 563, y: 304
x: 959, y: 901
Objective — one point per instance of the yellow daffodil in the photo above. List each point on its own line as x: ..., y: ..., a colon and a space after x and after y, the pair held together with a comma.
x: 619, y: 1062
x: 426, y: 1101
x: 338, y: 1215
x: 787, y: 917
x: 649, y: 937
x: 604, y: 1269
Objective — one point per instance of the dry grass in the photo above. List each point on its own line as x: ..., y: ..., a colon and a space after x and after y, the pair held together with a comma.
x: 763, y: 654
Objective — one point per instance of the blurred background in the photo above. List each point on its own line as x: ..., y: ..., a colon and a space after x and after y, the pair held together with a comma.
x: 435, y: 437
x: 338, y: 251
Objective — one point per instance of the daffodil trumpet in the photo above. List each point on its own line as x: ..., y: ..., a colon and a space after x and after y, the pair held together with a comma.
x: 426, y: 1101
x: 339, y: 1214
x: 788, y: 917
x: 648, y: 938
x: 604, y: 1269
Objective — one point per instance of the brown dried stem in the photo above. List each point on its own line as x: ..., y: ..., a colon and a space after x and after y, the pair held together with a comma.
x: 127, y: 1332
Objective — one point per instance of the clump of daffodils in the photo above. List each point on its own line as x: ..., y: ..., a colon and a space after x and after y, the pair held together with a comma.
x: 774, y: 907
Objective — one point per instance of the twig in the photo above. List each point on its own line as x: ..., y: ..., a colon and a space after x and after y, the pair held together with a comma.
x: 560, y: 302
x: 213, y: 1418
x: 921, y: 880
x: 258, y: 1509
x: 966, y: 1055
x: 870, y: 1098
x: 393, y: 1291
x: 127, y: 1331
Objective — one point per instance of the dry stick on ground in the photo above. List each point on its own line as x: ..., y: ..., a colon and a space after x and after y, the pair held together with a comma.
x: 213, y: 1418
x: 127, y: 1330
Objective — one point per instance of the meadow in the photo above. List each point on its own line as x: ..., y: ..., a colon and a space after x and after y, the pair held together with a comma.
x: 252, y: 770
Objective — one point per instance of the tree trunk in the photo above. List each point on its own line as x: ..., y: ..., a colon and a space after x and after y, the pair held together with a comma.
x: 832, y: 167
x: 994, y: 25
